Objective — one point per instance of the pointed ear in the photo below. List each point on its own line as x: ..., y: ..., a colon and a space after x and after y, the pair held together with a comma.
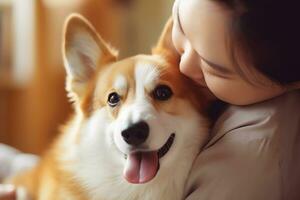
x: 83, y: 51
x: 165, y: 45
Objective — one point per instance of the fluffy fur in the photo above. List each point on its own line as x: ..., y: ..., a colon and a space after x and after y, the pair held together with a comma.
x: 88, y: 159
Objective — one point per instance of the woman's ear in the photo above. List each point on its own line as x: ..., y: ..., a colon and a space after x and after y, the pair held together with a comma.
x: 84, y: 51
x: 165, y: 46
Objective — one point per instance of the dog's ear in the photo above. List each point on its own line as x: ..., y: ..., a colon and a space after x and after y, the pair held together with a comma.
x: 165, y: 46
x: 83, y: 51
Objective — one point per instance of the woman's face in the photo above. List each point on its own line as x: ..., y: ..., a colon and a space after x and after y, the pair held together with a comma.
x: 199, y: 35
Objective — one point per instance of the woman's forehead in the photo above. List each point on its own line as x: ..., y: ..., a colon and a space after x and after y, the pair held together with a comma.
x: 205, y: 24
x: 202, y: 18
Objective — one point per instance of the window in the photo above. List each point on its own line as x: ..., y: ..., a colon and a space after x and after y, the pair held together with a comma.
x: 17, y: 41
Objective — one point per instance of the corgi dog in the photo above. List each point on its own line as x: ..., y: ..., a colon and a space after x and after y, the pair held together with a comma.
x: 138, y: 124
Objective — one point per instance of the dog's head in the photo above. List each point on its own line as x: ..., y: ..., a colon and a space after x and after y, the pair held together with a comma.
x: 139, y: 113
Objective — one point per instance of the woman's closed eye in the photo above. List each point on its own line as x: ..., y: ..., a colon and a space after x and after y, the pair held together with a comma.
x: 214, y: 69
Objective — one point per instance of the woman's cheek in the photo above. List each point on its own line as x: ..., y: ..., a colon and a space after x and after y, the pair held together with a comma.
x: 233, y: 91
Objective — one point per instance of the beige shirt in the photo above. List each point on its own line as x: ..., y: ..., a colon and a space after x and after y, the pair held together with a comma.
x: 254, y: 154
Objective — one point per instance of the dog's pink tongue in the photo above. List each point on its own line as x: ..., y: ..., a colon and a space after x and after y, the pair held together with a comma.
x: 141, y: 167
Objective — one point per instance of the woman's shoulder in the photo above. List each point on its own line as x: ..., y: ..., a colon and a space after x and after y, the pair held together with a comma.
x: 282, y: 112
x: 283, y: 106
x: 277, y: 105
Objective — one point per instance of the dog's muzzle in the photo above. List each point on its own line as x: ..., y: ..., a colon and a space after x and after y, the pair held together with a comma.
x: 142, y: 165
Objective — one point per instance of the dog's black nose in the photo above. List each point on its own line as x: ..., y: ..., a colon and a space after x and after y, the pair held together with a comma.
x: 136, y: 134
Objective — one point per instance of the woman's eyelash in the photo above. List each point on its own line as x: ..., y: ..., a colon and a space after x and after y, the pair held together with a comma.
x: 213, y: 71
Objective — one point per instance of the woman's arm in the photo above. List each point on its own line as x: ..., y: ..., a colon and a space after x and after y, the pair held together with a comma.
x: 254, y: 154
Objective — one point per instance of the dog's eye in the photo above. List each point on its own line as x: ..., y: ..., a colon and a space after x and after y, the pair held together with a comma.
x: 162, y: 92
x: 113, y: 99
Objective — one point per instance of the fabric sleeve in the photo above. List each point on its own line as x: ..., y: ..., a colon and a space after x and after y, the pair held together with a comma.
x: 253, y: 154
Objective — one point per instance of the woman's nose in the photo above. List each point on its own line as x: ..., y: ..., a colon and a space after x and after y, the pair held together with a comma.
x: 190, y: 65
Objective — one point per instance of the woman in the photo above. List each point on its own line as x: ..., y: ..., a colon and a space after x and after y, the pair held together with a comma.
x: 245, y: 52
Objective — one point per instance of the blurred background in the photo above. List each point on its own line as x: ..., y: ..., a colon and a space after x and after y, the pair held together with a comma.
x: 33, y: 103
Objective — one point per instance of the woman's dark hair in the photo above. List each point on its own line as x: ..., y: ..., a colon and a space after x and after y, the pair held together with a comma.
x: 267, y: 34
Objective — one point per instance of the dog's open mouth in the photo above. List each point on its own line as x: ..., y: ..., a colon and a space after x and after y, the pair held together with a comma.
x: 142, y: 167
x: 164, y: 149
